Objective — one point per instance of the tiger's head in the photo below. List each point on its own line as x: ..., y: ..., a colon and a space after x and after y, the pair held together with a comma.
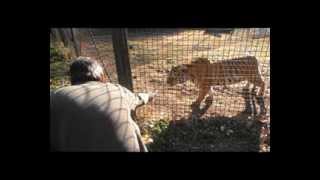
x: 177, y: 75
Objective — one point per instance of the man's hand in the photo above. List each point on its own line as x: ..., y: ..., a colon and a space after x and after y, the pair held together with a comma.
x: 152, y: 95
x: 147, y: 97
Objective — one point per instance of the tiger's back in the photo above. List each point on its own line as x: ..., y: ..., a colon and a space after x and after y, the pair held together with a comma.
x: 226, y: 72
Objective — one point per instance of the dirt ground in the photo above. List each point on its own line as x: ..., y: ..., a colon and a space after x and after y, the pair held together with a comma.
x: 152, y: 54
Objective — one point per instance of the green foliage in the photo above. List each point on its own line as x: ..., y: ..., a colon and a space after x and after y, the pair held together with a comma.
x: 160, y: 126
x: 59, y: 65
x: 59, y: 75
x: 160, y: 134
x: 59, y: 53
x: 58, y: 83
x: 221, y: 134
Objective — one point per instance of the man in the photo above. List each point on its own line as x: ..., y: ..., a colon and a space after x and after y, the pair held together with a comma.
x: 93, y: 115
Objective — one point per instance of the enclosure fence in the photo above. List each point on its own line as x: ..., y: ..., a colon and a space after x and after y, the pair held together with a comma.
x: 153, y: 54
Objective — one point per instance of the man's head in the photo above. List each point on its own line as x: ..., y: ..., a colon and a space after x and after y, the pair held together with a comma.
x: 85, y: 69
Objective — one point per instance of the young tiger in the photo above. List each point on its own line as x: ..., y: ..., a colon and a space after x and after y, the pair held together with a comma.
x: 205, y: 74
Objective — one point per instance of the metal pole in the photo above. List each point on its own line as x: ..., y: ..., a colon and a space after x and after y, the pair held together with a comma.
x: 120, y: 47
x: 75, y: 41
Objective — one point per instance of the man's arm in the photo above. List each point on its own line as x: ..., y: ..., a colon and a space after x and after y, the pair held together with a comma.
x: 137, y: 99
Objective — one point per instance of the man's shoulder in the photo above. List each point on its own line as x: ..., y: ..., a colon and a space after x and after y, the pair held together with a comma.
x: 88, y: 86
x: 93, y: 87
x: 65, y: 89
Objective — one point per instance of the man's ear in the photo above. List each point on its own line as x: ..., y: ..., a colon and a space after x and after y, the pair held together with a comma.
x: 103, y: 78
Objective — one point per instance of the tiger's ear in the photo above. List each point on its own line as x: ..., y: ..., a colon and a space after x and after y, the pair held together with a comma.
x: 187, y: 66
x: 184, y: 67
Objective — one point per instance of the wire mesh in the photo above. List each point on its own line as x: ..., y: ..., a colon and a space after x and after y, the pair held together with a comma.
x: 97, y: 43
x: 230, y: 75
x: 154, y: 53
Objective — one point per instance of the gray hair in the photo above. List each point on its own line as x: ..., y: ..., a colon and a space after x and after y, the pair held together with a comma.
x: 84, y: 69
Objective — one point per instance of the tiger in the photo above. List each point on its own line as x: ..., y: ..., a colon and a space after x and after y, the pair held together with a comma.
x: 205, y: 75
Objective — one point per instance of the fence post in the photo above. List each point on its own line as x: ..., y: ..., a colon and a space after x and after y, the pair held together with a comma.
x: 64, y: 37
x: 76, y: 44
x: 120, y: 47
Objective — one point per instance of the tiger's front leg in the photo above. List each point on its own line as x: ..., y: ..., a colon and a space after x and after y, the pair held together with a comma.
x: 202, y: 93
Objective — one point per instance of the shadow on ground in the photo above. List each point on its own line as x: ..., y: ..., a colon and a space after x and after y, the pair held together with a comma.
x: 240, y: 133
x: 151, y: 32
x: 219, y: 31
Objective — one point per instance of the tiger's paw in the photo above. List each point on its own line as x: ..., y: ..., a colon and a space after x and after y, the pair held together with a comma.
x: 195, y: 105
x: 209, y: 100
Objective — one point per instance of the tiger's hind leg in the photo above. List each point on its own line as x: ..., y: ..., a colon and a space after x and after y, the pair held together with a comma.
x: 260, y: 96
x: 261, y: 84
x: 246, y: 90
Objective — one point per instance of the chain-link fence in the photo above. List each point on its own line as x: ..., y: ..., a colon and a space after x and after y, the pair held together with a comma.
x: 155, y: 52
x: 234, y: 66
x: 235, y: 61
x: 97, y: 43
